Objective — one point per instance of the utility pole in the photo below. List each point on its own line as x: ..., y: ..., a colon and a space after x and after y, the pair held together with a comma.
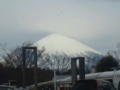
x: 54, y: 71
x: 55, y: 86
x: 24, y: 68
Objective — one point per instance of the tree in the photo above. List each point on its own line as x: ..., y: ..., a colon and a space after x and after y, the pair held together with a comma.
x: 116, y: 52
x: 13, y: 66
x: 13, y: 58
x: 58, y: 62
x: 107, y: 63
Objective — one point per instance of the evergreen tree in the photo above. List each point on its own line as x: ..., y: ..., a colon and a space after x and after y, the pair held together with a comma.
x: 107, y: 63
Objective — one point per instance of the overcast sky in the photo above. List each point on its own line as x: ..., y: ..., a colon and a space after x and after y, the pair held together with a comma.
x: 94, y: 22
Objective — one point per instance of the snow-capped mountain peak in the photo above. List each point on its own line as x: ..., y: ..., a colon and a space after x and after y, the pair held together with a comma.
x: 59, y: 49
x: 56, y: 43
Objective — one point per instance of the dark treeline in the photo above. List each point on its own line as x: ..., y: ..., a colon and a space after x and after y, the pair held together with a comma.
x: 15, y: 74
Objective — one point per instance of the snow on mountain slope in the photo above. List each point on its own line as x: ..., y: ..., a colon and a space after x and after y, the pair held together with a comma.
x: 63, y: 45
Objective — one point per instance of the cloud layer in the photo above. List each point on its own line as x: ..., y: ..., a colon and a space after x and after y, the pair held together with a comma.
x: 96, y: 23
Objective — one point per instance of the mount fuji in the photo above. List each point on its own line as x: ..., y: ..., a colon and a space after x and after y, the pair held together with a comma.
x: 59, y: 49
